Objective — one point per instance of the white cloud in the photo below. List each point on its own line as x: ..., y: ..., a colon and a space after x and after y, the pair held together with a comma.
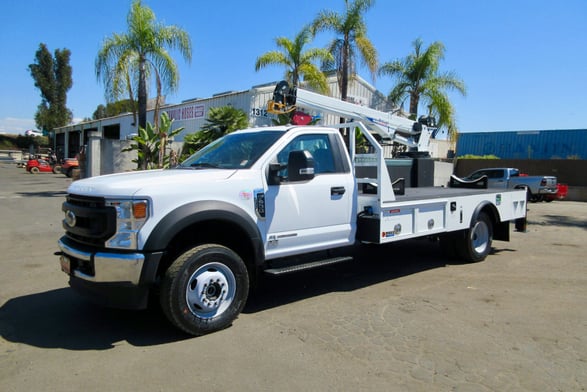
x: 16, y: 125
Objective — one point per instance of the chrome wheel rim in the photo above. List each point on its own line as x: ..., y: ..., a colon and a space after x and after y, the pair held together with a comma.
x: 210, y: 290
x: 480, y: 237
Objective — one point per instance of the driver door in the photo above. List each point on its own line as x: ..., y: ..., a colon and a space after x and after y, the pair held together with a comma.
x: 310, y: 214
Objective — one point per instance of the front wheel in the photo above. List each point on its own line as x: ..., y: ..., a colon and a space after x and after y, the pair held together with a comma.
x: 205, y: 289
x: 475, y: 243
x: 35, y: 170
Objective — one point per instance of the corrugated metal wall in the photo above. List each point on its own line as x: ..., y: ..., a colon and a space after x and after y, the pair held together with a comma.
x: 547, y: 144
x: 192, y: 114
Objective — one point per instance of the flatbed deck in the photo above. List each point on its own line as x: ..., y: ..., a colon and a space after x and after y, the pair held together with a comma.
x: 430, y: 193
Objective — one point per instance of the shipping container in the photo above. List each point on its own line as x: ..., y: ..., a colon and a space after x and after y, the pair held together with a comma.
x: 544, y: 144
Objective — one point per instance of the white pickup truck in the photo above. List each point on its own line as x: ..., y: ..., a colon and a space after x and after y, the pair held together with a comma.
x: 258, y: 201
x: 537, y: 187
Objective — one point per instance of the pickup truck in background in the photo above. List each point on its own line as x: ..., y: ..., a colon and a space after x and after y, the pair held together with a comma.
x: 539, y: 188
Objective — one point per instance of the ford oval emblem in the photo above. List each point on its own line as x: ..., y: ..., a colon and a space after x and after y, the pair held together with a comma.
x: 70, y: 219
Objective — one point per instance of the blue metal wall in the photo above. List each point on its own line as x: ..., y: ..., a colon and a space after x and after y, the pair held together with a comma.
x: 556, y: 144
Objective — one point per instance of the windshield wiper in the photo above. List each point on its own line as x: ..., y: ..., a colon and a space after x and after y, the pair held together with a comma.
x: 203, y: 165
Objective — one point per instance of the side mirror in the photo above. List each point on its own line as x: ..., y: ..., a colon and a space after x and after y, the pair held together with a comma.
x: 300, y: 166
x: 274, y: 169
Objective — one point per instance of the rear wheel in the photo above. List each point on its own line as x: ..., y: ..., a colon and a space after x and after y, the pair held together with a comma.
x: 205, y: 289
x: 528, y: 192
x: 475, y: 243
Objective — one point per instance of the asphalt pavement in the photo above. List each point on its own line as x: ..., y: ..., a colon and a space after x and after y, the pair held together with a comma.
x: 401, y: 318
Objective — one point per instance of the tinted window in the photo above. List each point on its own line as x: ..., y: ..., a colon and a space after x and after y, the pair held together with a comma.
x: 320, y: 148
x: 238, y: 150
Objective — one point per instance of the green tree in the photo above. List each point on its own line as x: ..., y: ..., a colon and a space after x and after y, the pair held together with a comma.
x: 114, y: 109
x: 221, y: 121
x: 52, y: 76
x: 418, y: 77
x: 121, y: 80
x: 140, y: 53
x: 100, y: 112
x: 351, y: 41
x: 298, y: 63
x: 149, y: 144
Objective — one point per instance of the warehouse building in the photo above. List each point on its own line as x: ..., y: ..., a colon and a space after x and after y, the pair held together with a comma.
x: 192, y: 114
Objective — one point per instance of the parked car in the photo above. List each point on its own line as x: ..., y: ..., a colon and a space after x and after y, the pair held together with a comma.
x: 30, y: 132
x: 538, y: 187
x: 69, y: 164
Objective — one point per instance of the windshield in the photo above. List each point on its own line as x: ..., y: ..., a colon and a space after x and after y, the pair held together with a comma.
x: 239, y: 150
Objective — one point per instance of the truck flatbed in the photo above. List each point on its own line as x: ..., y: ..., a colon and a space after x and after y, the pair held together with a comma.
x: 430, y: 193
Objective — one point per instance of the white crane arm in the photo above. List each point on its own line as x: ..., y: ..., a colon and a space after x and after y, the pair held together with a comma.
x: 389, y: 127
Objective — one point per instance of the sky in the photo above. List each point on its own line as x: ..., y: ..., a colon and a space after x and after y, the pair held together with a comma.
x: 524, y: 62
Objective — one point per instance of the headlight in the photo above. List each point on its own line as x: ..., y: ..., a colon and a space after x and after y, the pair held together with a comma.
x: 131, y: 215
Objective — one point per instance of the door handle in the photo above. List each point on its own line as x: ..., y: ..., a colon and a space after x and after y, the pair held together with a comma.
x: 337, y: 190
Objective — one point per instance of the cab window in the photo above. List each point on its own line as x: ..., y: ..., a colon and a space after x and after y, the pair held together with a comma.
x: 318, y: 145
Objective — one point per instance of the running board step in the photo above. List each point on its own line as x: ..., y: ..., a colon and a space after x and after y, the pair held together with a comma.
x: 306, y: 266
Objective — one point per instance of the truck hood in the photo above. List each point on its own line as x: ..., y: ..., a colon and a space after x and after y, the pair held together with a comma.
x: 131, y: 183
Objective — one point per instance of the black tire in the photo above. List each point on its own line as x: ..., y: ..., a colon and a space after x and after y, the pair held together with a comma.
x: 528, y: 193
x: 205, y: 289
x: 69, y: 172
x: 35, y: 170
x: 474, y: 244
x: 57, y: 169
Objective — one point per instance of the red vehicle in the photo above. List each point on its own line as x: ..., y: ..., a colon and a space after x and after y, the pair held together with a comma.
x: 38, y: 165
x: 68, y: 165
x: 562, y: 191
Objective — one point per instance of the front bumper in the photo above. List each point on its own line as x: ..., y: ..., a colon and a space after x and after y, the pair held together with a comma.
x: 114, y: 279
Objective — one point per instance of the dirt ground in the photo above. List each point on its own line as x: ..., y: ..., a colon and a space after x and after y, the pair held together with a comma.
x: 401, y: 318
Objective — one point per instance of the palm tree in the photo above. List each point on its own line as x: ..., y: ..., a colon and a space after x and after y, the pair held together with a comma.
x: 132, y: 57
x: 298, y: 63
x: 221, y: 121
x: 351, y: 41
x: 120, y: 80
x: 419, y: 79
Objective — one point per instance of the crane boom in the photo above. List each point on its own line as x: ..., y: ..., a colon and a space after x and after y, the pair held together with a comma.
x: 388, y: 126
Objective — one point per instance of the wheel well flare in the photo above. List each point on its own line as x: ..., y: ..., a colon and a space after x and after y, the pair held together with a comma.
x: 207, y: 222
